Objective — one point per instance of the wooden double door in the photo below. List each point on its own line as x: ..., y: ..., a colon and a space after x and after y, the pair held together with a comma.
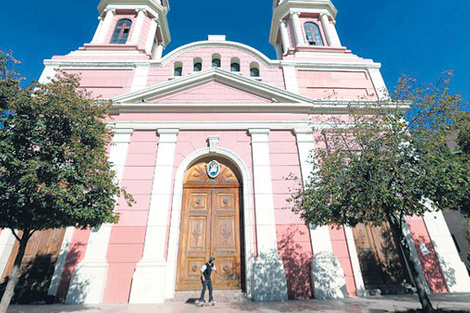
x: 210, y: 226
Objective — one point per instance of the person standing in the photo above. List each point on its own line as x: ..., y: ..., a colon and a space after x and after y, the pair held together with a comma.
x: 206, y: 271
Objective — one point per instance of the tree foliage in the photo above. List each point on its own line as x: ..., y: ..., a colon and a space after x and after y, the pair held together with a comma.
x: 54, y: 170
x: 381, y: 163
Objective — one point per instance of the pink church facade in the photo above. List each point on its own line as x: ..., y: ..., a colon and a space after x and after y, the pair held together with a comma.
x: 256, y: 118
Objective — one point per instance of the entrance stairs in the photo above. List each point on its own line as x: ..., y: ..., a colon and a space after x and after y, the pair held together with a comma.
x: 220, y: 296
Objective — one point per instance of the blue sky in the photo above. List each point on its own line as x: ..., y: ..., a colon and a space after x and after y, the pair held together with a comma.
x: 419, y: 37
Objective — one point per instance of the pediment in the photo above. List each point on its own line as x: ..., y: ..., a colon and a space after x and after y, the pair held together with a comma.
x: 211, y: 86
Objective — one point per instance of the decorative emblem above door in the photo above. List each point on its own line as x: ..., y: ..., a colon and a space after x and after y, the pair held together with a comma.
x: 213, y: 169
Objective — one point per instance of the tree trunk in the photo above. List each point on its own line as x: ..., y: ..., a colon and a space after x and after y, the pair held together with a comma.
x: 397, y: 230
x: 14, y: 276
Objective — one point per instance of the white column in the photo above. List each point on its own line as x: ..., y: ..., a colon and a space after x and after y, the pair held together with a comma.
x: 47, y: 75
x: 327, y: 274
x: 141, y: 14
x: 148, y: 284
x: 151, y: 35
x: 269, y: 275
x: 59, y: 266
x: 284, y: 37
x: 159, y: 53
x: 7, y: 240
x: 141, y: 74
x: 290, y: 78
x: 297, y: 28
x: 98, y: 30
x: 105, y: 28
x: 454, y: 270
x: 330, y: 31
x: 89, y: 280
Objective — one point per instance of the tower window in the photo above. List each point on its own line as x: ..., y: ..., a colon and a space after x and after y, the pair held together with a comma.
x: 197, y: 67
x: 312, y: 32
x: 121, y: 32
x: 216, y: 60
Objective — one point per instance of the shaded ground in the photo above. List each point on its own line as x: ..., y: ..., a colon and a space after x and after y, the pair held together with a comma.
x: 229, y: 304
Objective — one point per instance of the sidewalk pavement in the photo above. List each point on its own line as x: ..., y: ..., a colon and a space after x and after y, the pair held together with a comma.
x: 376, y: 304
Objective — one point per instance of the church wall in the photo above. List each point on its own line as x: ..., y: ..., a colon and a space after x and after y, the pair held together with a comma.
x: 341, y: 251
x: 128, y: 236
x: 105, y: 83
x: 355, y: 85
x: 293, y: 235
x: 429, y: 261
x: 75, y: 255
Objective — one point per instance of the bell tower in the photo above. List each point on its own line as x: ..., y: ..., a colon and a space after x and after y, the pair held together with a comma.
x: 140, y: 25
x: 303, y: 26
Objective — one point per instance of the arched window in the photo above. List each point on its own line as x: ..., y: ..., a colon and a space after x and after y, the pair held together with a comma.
x: 235, y: 65
x: 178, y: 69
x: 197, y: 65
x: 121, y: 32
x: 254, y: 69
x: 312, y: 31
x: 216, y: 60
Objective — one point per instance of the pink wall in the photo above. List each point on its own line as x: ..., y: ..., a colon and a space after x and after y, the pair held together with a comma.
x: 75, y: 255
x: 106, y: 83
x: 212, y: 92
x: 336, y: 85
x: 128, y: 236
x: 341, y: 251
x: 293, y: 235
x: 429, y: 262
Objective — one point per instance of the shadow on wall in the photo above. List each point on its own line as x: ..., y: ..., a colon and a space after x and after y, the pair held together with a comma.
x: 269, y: 278
x: 72, y: 259
x: 297, y: 264
x: 34, y: 281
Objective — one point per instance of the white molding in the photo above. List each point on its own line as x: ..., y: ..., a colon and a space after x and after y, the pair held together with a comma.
x: 176, y: 217
x: 141, y: 74
x: 7, y: 241
x: 453, y: 269
x: 268, y: 266
x: 379, y: 84
x: 152, y: 266
x: 59, y: 267
x: 89, y: 279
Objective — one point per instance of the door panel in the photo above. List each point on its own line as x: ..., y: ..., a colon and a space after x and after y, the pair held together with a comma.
x: 210, y: 226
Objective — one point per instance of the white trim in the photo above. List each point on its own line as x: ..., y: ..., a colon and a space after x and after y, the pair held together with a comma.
x: 89, y: 279
x: 98, y: 31
x: 379, y: 84
x: 176, y: 217
x: 356, y: 267
x: 7, y: 241
x: 59, y: 267
x: 141, y: 74
x: 454, y: 270
x: 151, y: 268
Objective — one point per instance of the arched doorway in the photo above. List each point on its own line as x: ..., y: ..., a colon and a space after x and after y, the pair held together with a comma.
x: 210, y: 225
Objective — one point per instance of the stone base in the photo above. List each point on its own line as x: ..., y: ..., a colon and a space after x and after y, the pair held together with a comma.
x: 328, y: 277
x: 269, y: 283
x: 148, y: 283
x: 87, y: 284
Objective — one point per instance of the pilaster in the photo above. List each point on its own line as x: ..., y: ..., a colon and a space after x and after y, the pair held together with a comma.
x: 59, y: 267
x: 327, y: 273
x: 454, y: 270
x: 98, y: 30
x: 152, y: 268
x: 141, y: 14
x: 151, y: 35
x: 105, y: 27
x: 141, y: 74
x: 269, y: 274
x: 7, y: 240
x: 89, y: 280
x: 284, y: 37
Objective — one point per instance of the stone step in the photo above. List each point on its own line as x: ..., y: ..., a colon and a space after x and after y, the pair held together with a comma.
x: 220, y: 296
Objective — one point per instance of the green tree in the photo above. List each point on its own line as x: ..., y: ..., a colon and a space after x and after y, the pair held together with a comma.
x: 54, y: 170
x: 374, y: 166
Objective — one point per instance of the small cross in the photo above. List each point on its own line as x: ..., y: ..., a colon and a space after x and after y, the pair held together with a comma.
x: 123, y: 28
